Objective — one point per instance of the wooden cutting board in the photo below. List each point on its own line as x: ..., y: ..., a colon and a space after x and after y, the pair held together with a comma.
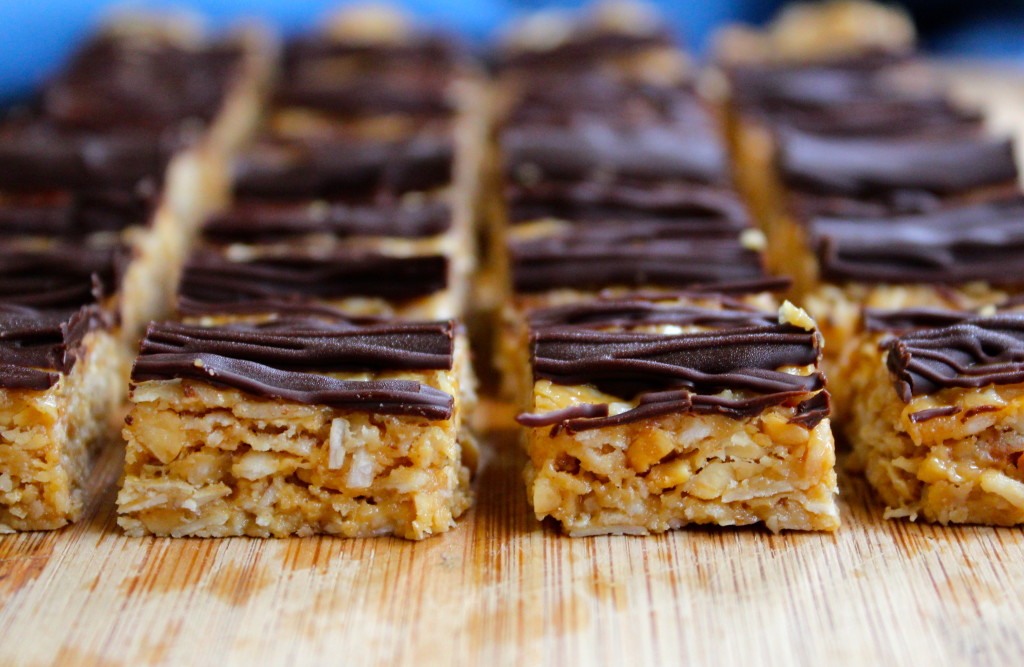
x: 503, y: 589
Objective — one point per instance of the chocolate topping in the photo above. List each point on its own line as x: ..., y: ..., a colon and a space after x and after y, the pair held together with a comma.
x: 877, y: 320
x: 975, y: 242
x: 254, y: 221
x: 682, y: 373
x: 972, y: 354
x: 287, y: 359
x: 325, y: 170
x: 36, y: 346
x: 61, y: 276
x: 598, y: 256
x: 625, y: 200
x: 65, y: 215
x: 40, y: 156
x: 584, y: 49
x: 560, y: 98
x: 628, y: 313
x: 211, y: 277
x: 118, y: 83
x: 597, y: 150
x: 419, y: 87
x: 849, y: 98
x: 865, y: 166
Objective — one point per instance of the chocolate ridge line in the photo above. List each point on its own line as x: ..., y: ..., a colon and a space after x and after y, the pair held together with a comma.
x: 878, y: 320
x: 252, y: 221
x: 389, y: 397
x: 626, y: 364
x: 863, y: 166
x: 313, y: 345
x: 578, y: 260
x: 972, y: 354
x: 585, y: 417
x: 76, y: 214
x: 981, y: 241
x: 625, y: 199
x: 325, y: 170
x: 588, y: 149
x: 635, y: 312
x: 61, y: 275
x: 210, y: 277
x: 38, y: 346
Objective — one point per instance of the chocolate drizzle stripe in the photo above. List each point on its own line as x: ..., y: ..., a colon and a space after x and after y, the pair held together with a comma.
x: 658, y: 404
x: 624, y: 199
x: 585, y: 149
x: 587, y: 262
x: 331, y: 169
x: 627, y: 364
x: 933, y: 413
x: 313, y: 345
x: 972, y: 354
x: 61, y: 276
x: 389, y: 397
x: 212, y: 278
x: 574, y: 412
x: 37, y: 346
x: 628, y: 313
x: 252, y: 221
x: 982, y: 241
x: 863, y: 166
x: 876, y: 320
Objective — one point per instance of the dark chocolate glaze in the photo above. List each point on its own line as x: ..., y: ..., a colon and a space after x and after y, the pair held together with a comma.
x: 877, y: 320
x: 658, y: 404
x: 591, y: 149
x: 37, y: 346
x: 583, y: 50
x: 212, y: 278
x: 315, y: 52
x: 974, y: 353
x: 276, y: 308
x: 849, y: 98
x: 61, y: 276
x: 325, y: 170
x: 626, y: 200
x: 37, y: 155
x: 255, y: 221
x: 681, y: 373
x: 359, y: 87
x: 67, y: 215
x: 628, y: 313
x: 626, y: 364
x: 314, y: 344
x: 932, y: 413
x: 865, y: 166
x: 119, y: 83
x: 559, y: 98
x: 974, y: 242
x: 599, y: 256
x: 287, y: 360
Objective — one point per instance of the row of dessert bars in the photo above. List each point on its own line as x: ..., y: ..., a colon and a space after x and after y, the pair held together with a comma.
x: 899, y: 215
x: 102, y: 176
x: 296, y: 254
x: 316, y: 378
x: 661, y: 384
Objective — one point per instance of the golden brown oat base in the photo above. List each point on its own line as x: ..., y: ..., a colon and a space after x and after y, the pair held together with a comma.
x: 210, y: 462
x: 664, y: 473
x: 963, y: 468
x: 49, y: 439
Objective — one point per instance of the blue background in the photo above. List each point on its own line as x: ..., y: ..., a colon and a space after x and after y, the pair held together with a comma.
x: 38, y: 34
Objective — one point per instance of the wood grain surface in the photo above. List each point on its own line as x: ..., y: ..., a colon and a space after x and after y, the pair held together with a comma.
x: 503, y: 589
